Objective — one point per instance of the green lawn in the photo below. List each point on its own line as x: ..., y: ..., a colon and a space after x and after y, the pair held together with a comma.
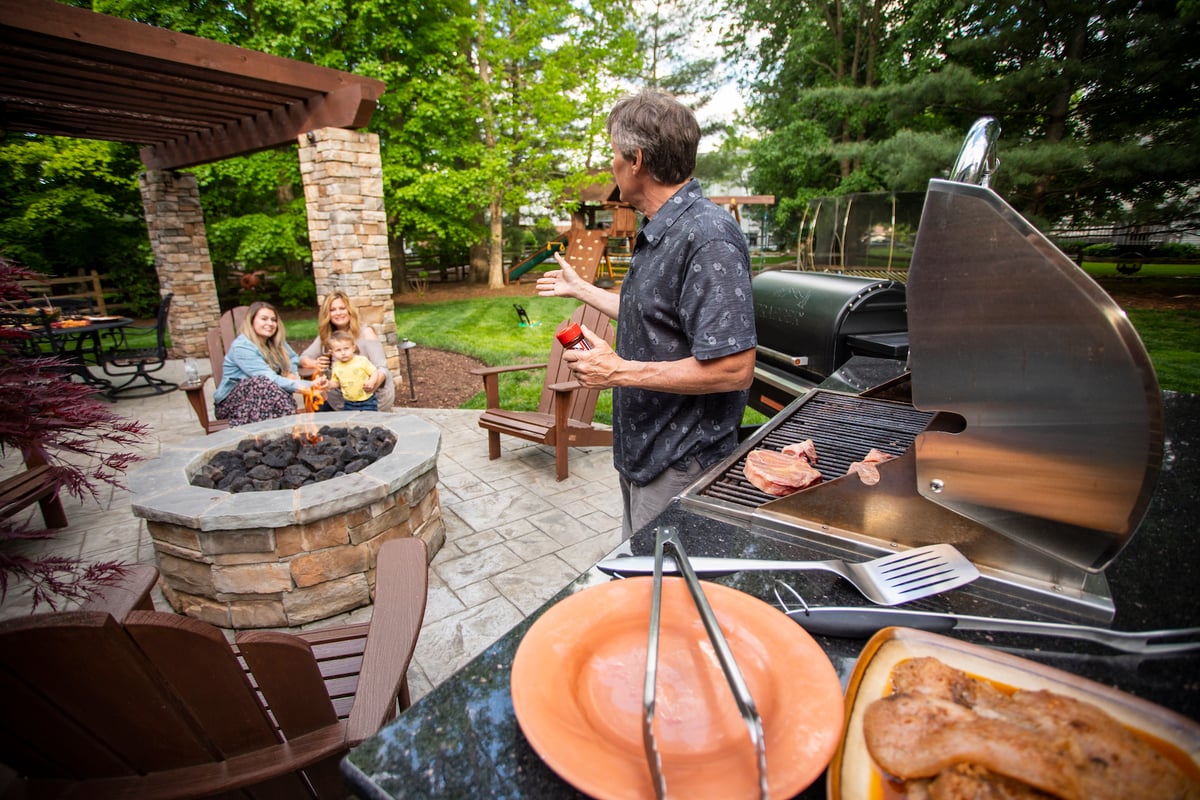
x: 1165, y: 274
x: 1172, y: 338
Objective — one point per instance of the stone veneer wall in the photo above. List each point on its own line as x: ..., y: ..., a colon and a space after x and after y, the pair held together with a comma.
x: 347, y: 225
x: 175, y: 221
x: 292, y: 575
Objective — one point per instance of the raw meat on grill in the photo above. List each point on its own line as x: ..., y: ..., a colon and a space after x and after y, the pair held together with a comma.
x: 781, y: 473
x: 866, y: 469
x: 942, y: 725
x: 806, y: 449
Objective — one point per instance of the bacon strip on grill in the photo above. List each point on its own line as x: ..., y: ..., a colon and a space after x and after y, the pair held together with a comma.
x: 867, y: 470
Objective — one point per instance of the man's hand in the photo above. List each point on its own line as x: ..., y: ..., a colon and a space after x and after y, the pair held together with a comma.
x: 565, y: 282
x: 561, y: 282
x: 601, y: 368
x: 593, y: 368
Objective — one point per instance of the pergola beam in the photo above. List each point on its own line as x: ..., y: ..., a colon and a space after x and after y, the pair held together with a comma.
x: 68, y: 71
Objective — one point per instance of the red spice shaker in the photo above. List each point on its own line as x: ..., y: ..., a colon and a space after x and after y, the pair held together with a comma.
x: 572, y: 338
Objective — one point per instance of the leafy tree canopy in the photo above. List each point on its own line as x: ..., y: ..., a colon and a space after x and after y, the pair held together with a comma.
x: 1096, y: 101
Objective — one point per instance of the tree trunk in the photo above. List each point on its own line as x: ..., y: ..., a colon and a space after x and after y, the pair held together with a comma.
x: 399, y: 266
x: 1060, y: 107
x: 496, y: 243
x: 479, y: 260
x: 495, y: 206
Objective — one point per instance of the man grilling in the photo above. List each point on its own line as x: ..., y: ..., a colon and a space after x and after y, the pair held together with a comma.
x: 684, y: 356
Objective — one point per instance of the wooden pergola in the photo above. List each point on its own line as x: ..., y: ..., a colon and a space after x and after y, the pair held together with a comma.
x: 68, y: 71
x: 184, y: 100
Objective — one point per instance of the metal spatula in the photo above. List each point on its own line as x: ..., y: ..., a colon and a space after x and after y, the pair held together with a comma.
x: 888, y: 581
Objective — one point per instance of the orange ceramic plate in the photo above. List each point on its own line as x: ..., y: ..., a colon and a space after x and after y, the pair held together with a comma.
x: 854, y: 775
x: 577, y: 692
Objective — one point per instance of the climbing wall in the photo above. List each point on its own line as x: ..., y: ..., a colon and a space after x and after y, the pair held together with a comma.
x: 585, y: 251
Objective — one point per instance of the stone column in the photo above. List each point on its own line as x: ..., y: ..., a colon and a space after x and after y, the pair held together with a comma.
x: 347, y: 226
x: 176, y: 224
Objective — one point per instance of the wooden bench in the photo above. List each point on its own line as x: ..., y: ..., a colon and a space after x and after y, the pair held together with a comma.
x: 36, y: 484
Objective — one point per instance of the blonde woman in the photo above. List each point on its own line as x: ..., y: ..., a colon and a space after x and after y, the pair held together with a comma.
x: 339, y: 314
x: 260, y: 373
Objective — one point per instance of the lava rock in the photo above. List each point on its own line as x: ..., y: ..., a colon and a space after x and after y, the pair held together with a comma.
x: 264, y: 473
x: 289, y: 462
x: 295, y: 476
x: 318, y: 461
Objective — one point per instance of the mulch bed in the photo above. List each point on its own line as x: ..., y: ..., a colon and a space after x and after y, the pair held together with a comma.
x: 440, y: 379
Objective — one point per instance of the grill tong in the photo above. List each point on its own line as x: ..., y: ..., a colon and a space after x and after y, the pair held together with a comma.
x: 741, y: 693
x: 865, y: 621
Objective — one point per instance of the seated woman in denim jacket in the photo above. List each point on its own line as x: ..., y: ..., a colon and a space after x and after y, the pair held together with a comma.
x: 260, y: 374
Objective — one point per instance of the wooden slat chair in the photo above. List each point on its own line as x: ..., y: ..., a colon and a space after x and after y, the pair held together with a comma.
x: 37, y: 483
x: 565, y: 412
x: 164, y: 706
x: 219, y: 339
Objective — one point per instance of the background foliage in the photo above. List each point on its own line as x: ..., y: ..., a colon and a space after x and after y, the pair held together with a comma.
x: 494, y: 113
x: 1097, y: 101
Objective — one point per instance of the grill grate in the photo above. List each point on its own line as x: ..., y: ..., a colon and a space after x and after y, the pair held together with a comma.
x: 844, y: 428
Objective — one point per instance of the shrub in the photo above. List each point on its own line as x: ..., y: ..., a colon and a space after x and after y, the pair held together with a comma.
x: 296, y: 291
x: 1176, y: 250
x: 63, y: 420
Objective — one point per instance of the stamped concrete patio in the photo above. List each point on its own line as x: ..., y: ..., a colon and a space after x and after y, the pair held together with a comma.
x: 514, y: 535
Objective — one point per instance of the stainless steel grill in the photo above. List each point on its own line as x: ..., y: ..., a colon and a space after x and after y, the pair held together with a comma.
x: 1034, y: 436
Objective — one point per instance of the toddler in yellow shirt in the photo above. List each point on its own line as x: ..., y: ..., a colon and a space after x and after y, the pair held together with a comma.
x: 354, y: 374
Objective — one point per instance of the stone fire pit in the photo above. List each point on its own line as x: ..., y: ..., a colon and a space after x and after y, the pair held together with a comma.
x: 287, y: 557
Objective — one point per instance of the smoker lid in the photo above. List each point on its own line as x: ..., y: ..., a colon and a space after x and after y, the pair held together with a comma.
x: 1064, y: 421
x: 802, y: 319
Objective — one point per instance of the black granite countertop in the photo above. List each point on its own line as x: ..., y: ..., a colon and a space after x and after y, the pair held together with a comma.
x: 462, y: 739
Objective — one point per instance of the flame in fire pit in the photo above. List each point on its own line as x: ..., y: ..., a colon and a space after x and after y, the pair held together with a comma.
x: 314, y: 398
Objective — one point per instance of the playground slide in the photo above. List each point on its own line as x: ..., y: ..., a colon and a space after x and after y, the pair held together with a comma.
x: 548, y: 251
x: 585, y: 250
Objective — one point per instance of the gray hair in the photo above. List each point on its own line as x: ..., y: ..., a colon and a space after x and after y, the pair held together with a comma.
x: 664, y: 129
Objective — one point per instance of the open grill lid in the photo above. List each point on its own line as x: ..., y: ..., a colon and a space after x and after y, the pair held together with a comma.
x: 1063, y: 434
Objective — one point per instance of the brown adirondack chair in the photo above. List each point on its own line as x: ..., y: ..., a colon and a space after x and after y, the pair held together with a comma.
x: 219, y: 340
x: 164, y: 706
x: 565, y: 412
x: 37, y: 483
